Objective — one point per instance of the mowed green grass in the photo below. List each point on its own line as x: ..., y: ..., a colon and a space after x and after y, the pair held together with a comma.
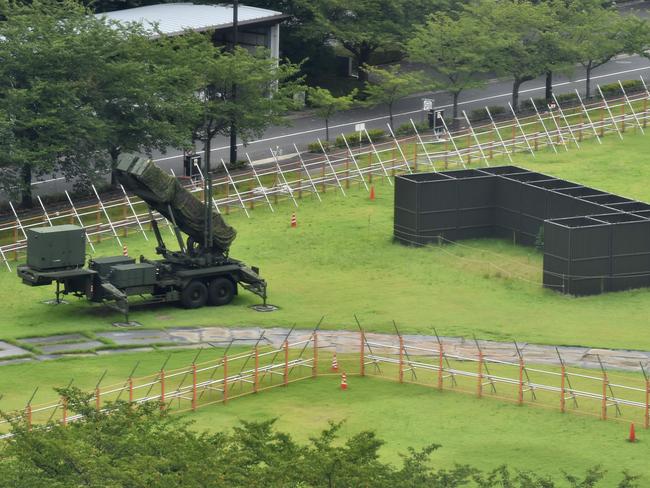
x: 341, y: 261
x: 482, y: 432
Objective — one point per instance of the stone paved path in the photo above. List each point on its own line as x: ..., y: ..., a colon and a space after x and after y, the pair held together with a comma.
x: 144, y: 340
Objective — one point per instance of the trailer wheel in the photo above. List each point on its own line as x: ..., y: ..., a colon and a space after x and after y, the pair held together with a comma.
x: 221, y: 291
x: 194, y: 295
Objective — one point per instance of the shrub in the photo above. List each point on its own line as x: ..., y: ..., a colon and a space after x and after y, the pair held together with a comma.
x: 481, y: 113
x: 353, y: 137
x: 614, y: 89
x: 527, y: 106
x: 314, y: 147
x: 407, y: 129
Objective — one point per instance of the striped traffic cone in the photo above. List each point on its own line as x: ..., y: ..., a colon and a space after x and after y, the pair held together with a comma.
x: 125, y: 251
x: 294, y: 221
x: 335, y: 364
x: 632, y: 437
x: 344, y: 381
x: 372, y: 192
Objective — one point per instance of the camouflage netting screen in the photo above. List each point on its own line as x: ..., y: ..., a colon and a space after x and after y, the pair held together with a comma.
x: 164, y: 193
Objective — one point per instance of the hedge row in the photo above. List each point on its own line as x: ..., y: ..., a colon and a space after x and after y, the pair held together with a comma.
x: 352, y: 138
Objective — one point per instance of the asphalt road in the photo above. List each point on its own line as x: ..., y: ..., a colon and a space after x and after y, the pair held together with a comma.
x: 305, y: 128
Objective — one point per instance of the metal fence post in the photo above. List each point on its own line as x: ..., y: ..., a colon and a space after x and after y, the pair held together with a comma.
x: 162, y: 389
x: 603, y: 412
x: 479, y: 386
x: 256, y: 376
x: 440, y: 365
x: 646, y: 419
x: 314, y: 369
x: 130, y: 390
x: 362, y: 356
x: 286, y: 363
x: 562, y: 390
x: 98, y: 399
x: 520, y: 393
x: 193, y: 386
x: 401, y: 360
x: 225, y: 379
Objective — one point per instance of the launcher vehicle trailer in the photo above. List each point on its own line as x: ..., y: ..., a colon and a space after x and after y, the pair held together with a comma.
x: 199, y: 273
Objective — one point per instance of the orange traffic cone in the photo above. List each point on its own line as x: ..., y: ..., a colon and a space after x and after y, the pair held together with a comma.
x: 125, y: 251
x: 294, y: 221
x: 335, y: 364
x: 632, y: 434
x: 372, y: 192
x: 344, y: 381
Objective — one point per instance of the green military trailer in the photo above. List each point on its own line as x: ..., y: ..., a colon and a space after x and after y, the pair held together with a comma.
x: 199, y: 273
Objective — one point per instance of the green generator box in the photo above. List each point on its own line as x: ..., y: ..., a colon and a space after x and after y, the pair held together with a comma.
x: 105, y: 264
x: 56, y: 247
x: 128, y: 275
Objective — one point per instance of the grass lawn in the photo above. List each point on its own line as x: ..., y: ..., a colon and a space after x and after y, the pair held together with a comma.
x: 341, y: 260
x: 484, y: 433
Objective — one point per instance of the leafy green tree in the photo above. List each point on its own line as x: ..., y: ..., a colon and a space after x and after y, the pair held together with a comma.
x: 79, y: 91
x: 520, y: 34
x: 327, y: 105
x: 137, y: 446
x: 363, y: 27
x: 390, y: 85
x: 264, y: 91
x: 456, y: 48
x: 596, y: 34
x: 42, y: 80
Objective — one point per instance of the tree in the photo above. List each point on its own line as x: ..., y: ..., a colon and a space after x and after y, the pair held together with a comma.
x: 137, y: 446
x: 264, y: 92
x: 79, y: 91
x: 519, y: 33
x: 390, y: 85
x: 596, y: 34
x: 327, y: 105
x: 364, y: 26
x: 456, y: 48
x: 42, y: 80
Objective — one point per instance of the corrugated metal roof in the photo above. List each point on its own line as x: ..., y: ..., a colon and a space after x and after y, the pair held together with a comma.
x: 176, y: 18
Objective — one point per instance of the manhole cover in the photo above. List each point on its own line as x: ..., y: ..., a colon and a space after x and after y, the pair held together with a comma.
x: 54, y: 301
x: 127, y: 325
x: 265, y: 308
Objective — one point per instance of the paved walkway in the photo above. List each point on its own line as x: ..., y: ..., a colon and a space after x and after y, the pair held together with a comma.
x: 144, y: 340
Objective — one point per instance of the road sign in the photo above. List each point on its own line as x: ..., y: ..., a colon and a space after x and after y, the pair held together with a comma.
x: 427, y: 104
x: 360, y: 127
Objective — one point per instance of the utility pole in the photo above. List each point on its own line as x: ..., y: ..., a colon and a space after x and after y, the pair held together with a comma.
x: 233, y: 127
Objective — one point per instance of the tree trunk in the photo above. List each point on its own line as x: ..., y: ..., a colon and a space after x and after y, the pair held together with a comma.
x: 549, y: 87
x: 115, y: 154
x: 26, y: 193
x: 588, y: 81
x: 327, y: 130
x: 363, y: 57
x: 390, y: 115
x: 515, y: 94
x: 454, y: 110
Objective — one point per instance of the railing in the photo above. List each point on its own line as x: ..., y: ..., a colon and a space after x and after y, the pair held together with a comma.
x: 603, y: 393
x: 266, y: 185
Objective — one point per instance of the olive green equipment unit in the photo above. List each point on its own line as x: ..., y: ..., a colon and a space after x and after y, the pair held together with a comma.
x: 200, y: 272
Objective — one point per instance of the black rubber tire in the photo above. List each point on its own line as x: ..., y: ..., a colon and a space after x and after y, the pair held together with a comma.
x: 194, y: 295
x: 221, y: 292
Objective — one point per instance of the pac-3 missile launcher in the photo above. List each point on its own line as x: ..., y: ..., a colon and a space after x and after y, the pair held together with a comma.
x: 199, y: 273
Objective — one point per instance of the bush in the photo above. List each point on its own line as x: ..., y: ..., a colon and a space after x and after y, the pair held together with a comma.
x: 314, y: 147
x: 614, y: 89
x: 353, y: 137
x: 567, y: 97
x: 527, y: 106
x: 407, y: 129
x: 481, y: 113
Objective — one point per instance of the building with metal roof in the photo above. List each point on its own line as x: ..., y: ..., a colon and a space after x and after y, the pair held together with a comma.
x: 256, y: 26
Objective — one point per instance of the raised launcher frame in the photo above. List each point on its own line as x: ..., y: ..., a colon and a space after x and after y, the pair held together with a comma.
x: 594, y: 241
